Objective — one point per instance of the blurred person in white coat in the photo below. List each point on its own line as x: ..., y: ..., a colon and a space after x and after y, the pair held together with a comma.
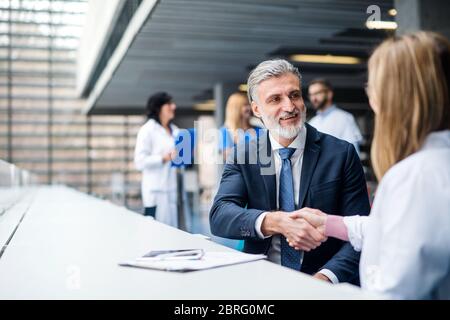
x: 155, y: 149
x: 405, y: 241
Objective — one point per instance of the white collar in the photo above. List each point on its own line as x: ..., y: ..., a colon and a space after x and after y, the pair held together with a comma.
x: 159, y: 127
x: 437, y: 140
x: 328, y: 111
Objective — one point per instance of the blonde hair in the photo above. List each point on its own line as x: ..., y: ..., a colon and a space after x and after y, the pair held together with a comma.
x: 233, y: 111
x: 409, y: 82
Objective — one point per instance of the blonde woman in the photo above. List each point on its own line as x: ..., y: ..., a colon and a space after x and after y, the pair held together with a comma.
x: 405, y: 242
x: 237, y: 123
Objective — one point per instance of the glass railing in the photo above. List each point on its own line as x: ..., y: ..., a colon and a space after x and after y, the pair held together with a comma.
x: 14, y: 183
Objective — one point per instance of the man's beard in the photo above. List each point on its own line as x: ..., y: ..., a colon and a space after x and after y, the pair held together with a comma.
x: 287, y: 132
x: 321, y: 105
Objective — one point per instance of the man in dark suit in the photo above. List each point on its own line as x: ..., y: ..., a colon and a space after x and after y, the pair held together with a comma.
x: 291, y: 166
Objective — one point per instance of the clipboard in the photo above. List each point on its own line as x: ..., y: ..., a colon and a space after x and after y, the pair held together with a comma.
x: 209, y: 260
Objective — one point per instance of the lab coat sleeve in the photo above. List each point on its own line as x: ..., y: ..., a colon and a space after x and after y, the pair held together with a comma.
x: 143, y: 156
x: 355, y: 230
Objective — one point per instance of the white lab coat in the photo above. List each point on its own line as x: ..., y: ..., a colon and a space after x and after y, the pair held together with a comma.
x: 405, y: 241
x: 159, y: 182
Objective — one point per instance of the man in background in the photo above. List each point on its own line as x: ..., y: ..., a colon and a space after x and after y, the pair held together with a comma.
x: 329, y: 118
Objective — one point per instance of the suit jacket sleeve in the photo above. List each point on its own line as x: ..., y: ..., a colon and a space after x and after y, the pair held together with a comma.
x: 229, y: 217
x: 354, y: 200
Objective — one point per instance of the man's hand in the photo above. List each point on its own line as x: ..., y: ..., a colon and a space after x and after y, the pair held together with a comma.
x: 322, y: 277
x: 301, y: 235
x: 298, y: 232
x: 314, y: 217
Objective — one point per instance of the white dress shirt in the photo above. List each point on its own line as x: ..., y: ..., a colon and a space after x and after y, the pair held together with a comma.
x: 274, y: 253
x: 338, y: 123
x: 405, y: 241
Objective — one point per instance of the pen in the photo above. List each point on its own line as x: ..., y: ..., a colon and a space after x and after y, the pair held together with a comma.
x: 176, y: 255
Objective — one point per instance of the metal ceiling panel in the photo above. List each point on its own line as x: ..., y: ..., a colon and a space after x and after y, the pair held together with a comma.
x: 186, y: 47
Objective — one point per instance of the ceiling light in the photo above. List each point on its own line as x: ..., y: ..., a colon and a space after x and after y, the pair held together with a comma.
x: 390, y: 25
x: 392, y: 12
x: 208, y: 105
x: 328, y: 58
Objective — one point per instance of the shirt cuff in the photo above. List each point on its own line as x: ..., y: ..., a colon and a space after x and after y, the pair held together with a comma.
x: 258, y: 224
x: 355, y: 226
x: 330, y: 275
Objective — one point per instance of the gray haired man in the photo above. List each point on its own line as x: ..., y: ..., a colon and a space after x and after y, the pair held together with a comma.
x: 311, y: 169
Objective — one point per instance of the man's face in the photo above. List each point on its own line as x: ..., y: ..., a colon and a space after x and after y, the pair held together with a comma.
x: 280, y: 105
x: 318, y: 95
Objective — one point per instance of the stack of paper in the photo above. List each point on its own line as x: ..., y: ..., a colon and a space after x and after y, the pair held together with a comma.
x: 207, y: 261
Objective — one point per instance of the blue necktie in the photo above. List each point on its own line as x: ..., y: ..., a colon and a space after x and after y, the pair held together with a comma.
x: 289, y: 256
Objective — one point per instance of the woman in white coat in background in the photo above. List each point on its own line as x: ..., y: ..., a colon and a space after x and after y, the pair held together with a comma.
x: 405, y: 241
x: 155, y: 148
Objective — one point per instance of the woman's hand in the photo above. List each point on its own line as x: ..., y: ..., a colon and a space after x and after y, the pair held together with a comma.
x: 169, y: 156
x: 315, y: 217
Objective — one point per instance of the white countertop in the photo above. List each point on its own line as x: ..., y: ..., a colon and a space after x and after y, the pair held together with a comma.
x: 69, y: 244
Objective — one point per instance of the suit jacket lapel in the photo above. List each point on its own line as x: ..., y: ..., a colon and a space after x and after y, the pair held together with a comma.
x: 310, y: 157
x: 267, y: 169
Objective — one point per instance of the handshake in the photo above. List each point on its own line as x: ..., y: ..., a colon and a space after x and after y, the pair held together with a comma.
x: 304, y: 229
